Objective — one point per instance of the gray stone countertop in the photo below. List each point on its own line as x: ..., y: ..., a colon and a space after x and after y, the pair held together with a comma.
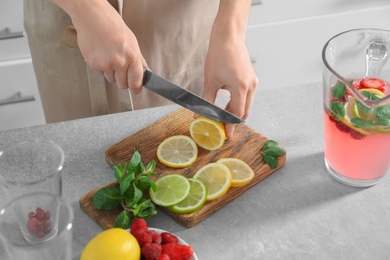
x: 298, y: 212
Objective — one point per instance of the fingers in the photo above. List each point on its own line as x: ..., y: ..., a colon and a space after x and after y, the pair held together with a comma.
x: 129, y: 77
x: 240, y: 103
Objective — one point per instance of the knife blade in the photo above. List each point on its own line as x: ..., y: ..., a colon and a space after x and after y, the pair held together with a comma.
x: 187, y: 99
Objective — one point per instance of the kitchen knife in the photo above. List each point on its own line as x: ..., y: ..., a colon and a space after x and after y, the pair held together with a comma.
x: 187, y: 99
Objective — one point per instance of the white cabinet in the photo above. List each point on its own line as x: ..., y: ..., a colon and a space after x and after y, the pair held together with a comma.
x: 287, y: 52
x: 20, y: 104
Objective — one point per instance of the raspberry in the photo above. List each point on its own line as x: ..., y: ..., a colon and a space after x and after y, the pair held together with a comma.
x: 139, y: 223
x: 177, y: 251
x: 167, y: 237
x: 142, y: 237
x: 31, y: 215
x: 47, y: 215
x: 40, y: 214
x: 342, y: 127
x: 356, y: 135
x: 156, y: 238
x: 31, y: 227
x: 163, y: 257
x: 151, y: 251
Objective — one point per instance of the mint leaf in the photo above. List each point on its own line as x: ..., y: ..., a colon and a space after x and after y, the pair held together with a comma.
x: 363, y: 108
x: 272, y: 161
x: 150, y: 167
x: 123, y: 220
x: 125, y: 184
x: 275, y: 151
x: 144, y: 182
x: 146, y: 209
x: 339, y: 90
x: 382, y: 113
x: 360, y: 122
x: 337, y: 110
x: 119, y: 171
x: 107, y: 198
x: 135, y: 163
x: 270, y: 144
x: 370, y: 96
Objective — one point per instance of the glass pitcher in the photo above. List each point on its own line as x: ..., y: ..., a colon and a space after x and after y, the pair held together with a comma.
x: 356, y: 88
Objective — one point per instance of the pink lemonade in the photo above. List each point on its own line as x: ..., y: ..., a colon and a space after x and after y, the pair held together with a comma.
x: 362, y: 159
x: 360, y: 153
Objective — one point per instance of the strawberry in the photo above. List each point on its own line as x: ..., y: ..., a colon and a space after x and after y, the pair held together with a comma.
x: 167, y: 237
x: 142, y: 237
x: 156, y: 238
x: 163, y: 257
x: 177, y: 251
x: 139, y: 223
x: 151, y: 251
x: 373, y: 83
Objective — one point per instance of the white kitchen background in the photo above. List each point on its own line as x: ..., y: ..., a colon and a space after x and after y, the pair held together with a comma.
x: 284, y: 38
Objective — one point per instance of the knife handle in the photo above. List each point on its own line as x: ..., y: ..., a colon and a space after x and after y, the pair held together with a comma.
x: 69, y: 37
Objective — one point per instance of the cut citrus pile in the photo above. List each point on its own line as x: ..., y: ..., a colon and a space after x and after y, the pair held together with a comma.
x: 170, y: 190
x: 241, y: 172
x: 207, y: 133
x: 217, y: 179
x: 112, y: 244
x: 195, y: 199
x: 177, y: 151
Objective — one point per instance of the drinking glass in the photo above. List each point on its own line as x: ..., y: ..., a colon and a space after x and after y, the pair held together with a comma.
x: 356, y: 88
x: 37, y: 226
x: 31, y: 166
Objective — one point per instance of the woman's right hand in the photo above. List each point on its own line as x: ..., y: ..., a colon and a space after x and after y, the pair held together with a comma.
x: 106, y: 43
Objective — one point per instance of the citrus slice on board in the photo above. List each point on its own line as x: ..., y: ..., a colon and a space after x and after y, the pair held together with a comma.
x: 195, y: 199
x: 178, y: 151
x: 170, y: 190
x: 217, y: 179
x: 241, y: 172
x: 208, y: 134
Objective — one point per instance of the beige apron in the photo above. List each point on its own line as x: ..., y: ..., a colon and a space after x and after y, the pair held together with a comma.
x: 173, y: 36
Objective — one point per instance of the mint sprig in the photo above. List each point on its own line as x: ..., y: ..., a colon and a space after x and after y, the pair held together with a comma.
x: 132, y: 179
x: 270, y: 153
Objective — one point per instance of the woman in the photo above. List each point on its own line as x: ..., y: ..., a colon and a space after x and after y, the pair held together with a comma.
x: 197, y: 44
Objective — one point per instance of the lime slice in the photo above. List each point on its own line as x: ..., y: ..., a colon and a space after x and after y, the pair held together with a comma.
x: 170, y: 190
x: 194, y: 200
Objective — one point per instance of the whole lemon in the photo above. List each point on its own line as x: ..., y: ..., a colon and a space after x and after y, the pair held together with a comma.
x: 112, y: 244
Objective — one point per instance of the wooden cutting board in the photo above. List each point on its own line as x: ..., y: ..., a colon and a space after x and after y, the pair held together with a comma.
x: 246, y: 145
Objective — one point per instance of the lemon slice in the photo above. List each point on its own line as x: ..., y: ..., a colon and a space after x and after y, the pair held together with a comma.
x: 216, y: 177
x: 207, y: 133
x: 170, y: 190
x: 195, y: 199
x: 351, y: 113
x: 241, y: 172
x: 358, y: 113
x: 178, y: 151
